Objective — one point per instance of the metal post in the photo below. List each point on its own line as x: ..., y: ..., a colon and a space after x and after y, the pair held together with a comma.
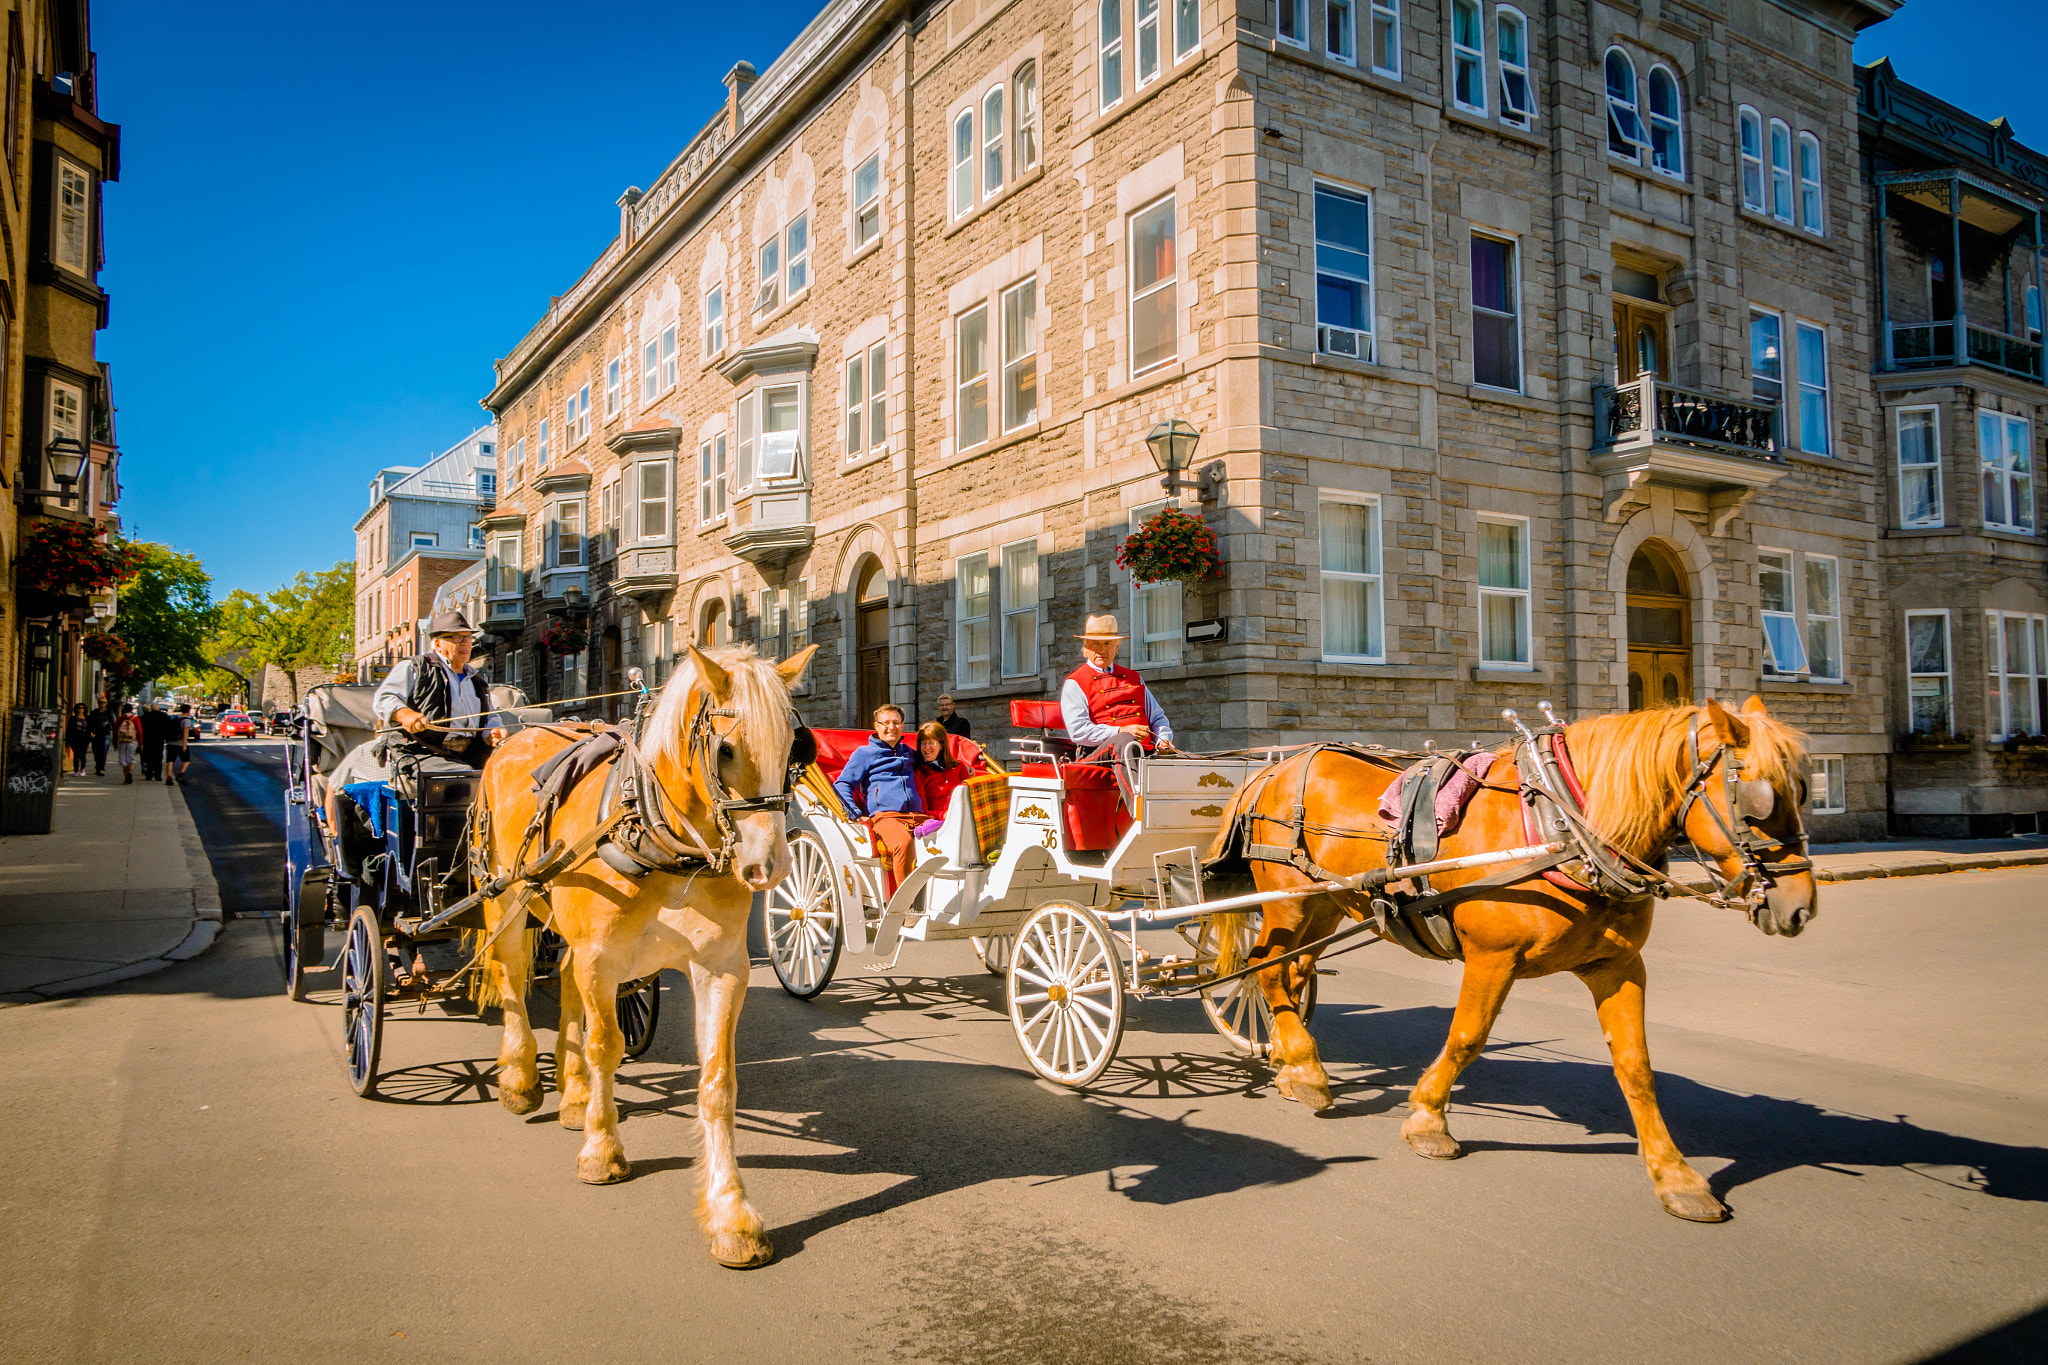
x: 1959, y: 326
x: 1884, y: 285
x: 2040, y: 302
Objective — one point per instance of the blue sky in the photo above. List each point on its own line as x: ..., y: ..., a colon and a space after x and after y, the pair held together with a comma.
x: 332, y: 218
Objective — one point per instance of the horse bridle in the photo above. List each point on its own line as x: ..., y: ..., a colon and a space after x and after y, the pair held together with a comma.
x: 1749, y: 888
x: 705, y: 740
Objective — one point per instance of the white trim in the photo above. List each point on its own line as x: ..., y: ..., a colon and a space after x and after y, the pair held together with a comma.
x: 1145, y: 14
x: 1946, y: 675
x: 1746, y: 119
x: 1465, y: 54
x: 1294, y: 14
x: 1373, y: 578
x: 1387, y: 12
x: 1934, y: 467
x: 993, y: 144
x: 1347, y: 31
x: 1829, y: 794
x: 1815, y: 221
x: 1801, y: 331
x: 1514, y: 290
x: 1109, y: 51
x: 1624, y: 112
x: 1009, y: 606
x: 964, y: 381
x: 964, y: 657
x: 1509, y: 113
x: 1781, y: 174
x: 1672, y: 123
x: 1524, y: 595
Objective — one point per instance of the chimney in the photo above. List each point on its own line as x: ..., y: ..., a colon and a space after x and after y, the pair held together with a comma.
x: 736, y: 82
x: 626, y: 202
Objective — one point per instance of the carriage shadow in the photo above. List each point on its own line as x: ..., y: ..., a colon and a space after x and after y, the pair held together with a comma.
x: 1756, y: 1135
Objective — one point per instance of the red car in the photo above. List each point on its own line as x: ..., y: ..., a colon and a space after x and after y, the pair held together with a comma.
x: 235, y: 725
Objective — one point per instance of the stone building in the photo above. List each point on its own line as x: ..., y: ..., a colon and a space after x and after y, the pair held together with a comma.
x: 1527, y: 343
x: 423, y: 528
x: 1956, y: 287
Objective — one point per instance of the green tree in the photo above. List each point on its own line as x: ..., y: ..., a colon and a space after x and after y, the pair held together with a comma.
x: 165, y: 612
x: 307, y: 623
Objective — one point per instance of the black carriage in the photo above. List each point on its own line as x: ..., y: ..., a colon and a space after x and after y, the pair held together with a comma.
x: 385, y: 875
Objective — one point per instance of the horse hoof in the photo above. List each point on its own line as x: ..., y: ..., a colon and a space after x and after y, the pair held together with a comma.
x: 1315, y: 1095
x: 519, y: 1101
x: 1695, y: 1206
x: 737, y: 1251
x: 571, y: 1117
x: 605, y: 1168
x: 1434, y: 1143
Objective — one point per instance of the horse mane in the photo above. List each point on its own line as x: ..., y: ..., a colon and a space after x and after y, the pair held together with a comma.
x: 759, y: 697
x: 1628, y: 762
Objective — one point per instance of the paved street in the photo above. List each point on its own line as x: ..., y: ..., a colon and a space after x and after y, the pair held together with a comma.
x: 189, y: 1177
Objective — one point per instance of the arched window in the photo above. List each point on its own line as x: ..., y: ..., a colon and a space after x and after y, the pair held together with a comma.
x: 1667, y: 137
x: 1781, y: 171
x: 1517, y: 99
x: 1752, y: 144
x: 712, y: 628
x: 1024, y: 101
x: 1625, y: 136
x: 1810, y: 215
x: 992, y: 142
x: 1111, y: 37
x: 963, y: 163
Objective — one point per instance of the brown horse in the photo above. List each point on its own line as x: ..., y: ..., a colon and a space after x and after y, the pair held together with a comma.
x: 716, y: 744
x: 1637, y: 770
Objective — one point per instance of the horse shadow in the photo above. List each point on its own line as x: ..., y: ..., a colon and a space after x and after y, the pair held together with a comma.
x: 1756, y: 1135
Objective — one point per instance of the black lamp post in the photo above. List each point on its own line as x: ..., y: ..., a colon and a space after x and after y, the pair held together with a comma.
x: 1173, y: 444
x: 66, y: 458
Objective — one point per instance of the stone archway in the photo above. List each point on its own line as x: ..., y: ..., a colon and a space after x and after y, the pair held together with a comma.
x: 1689, y: 560
x: 1659, y: 614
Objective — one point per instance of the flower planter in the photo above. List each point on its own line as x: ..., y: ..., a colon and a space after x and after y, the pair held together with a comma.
x: 1173, y: 546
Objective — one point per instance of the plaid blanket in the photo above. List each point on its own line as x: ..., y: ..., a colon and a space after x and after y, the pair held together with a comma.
x: 988, y: 800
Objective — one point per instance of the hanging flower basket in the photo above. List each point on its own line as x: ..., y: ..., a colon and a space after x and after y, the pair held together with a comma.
x: 70, y: 554
x: 108, y: 650
x: 563, y: 637
x: 1173, y: 545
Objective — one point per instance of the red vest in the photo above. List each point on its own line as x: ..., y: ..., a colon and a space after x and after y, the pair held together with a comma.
x: 1114, y: 698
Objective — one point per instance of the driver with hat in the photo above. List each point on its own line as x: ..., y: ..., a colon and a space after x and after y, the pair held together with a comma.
x: 442, y: 704
x: 1104, y: 703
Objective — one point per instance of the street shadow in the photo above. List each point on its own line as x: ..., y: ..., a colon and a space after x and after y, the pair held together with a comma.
x: 2023, y: 1338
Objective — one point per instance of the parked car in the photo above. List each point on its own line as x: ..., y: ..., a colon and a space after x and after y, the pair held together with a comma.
x: 236, y: 725
x: 280, y: 722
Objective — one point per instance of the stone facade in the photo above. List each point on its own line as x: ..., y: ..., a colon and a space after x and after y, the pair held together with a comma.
x: 1383, y: 276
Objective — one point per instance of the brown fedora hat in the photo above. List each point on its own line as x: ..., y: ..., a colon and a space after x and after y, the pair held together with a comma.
x: 1101, y: 628
x: 449, y: 623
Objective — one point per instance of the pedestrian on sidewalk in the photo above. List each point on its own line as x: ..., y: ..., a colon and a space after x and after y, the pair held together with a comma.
x: 178, y: 748
x: 127, y: 735
x: 100, y: 726
x: 158, y: 725
x: 78, y: 738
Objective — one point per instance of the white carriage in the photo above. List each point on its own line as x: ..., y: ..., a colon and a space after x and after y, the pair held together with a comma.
x: 1053, y: 887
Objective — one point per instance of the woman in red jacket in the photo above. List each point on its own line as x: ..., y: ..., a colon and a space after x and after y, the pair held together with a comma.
x: 938, y: 772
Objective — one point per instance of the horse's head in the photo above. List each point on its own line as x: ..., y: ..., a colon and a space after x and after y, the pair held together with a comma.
x: 1747, y: 819
x: 733, y: 730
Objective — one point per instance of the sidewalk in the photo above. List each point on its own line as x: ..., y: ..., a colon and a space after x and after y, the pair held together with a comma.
x: 1914, y: 858
x: 121, y: 889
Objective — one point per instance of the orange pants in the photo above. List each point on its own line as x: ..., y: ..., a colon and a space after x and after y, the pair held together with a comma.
x: 892, y: 835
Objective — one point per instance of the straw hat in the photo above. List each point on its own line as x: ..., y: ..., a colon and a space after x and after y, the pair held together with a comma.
x: 1101, y: 628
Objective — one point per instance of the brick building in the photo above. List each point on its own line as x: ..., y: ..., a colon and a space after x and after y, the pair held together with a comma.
x: 423, y: 528
x: 1956, y: 286
x: 1528, y: 346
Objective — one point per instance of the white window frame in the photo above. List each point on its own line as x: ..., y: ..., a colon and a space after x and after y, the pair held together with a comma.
x: 712, y: 474
x: 614, y: 383
x: 1340, y: 30
x: 1815, y: 623
x: 1811, y: 395
x: 1373, y: 579
x: 1514, y: 282
x: 1109, y: 53
x: 1625, y: 111
x: 1946, y: 675
x: 541, y: 459
x: 515, y: 474
x: 1365, y: 200
x: 2012, y: 469
x: 1018, y: 604
x: 867, y: 205
x: 1784, y: 203
x: 747, y: 426
x: 1827, y: 784
x: 965, y: 382
x: 1750, y: 158
x: 963, y: 163
x: 866, y: 407
x: 1187, y: 28
x: 426, y: 540
x: 992, y: 136
x: 1146, y: 17
x: 71, y: 210
x: 558, y: 539
x: 1151, y: 603
x: 650, y: 370
x: 969, y: 668
x: 582, y: 431
x: 768, y: 273
x: 1465, y: 56
x: 1670, y: 124
x: 765, y: 397
x: 1290, y: 22
x: 668, y: 358
x: 1772, y: 666
x: 1168, y: 282
x: 1812, y: 188
x: 660, y: 526
x: 714, y: 320
x: 1929, y: 468
x: 2003, y: 676
x: 1757, y: 377
x: 1386, y: 21
x: 796, y: 256
x: 1018, y: 362
x: 1024, y: 116
x: 1523, y: 596
x: 1512, y: 114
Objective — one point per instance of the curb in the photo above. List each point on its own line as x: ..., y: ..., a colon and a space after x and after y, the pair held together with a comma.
x: 205, y: 890
x: 1932, y: 866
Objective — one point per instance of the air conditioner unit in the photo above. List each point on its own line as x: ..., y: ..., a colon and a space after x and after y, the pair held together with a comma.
x: 1345, y: 342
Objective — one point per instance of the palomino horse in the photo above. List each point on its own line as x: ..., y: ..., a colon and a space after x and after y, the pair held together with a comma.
x: 1639, y: 771
x: 717, y: 749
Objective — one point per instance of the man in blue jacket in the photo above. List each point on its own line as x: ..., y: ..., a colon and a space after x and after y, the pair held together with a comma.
x: 880, y: 782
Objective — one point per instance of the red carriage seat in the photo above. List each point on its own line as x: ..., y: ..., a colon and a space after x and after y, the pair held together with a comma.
x: 1095, y: 814
x: 835, y: 747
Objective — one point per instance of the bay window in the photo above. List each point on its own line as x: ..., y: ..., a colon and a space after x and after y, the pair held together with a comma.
x: 2014, y: 669
x: 1919, y: 447
x: 652, y: 522
x: 70, y: 242
x: 2005, y: 450
x: 781, y: 433
x: 505, y: 566
x: 566, y: 533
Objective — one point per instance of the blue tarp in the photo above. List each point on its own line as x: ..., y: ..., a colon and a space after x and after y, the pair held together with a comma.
x: 378, y: 801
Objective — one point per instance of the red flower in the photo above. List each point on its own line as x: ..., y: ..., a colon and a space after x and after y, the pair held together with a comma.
x: 1173, y: 545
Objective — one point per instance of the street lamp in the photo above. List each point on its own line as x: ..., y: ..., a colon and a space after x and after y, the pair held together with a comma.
x: 66, y: 457
x: 1173, y: 444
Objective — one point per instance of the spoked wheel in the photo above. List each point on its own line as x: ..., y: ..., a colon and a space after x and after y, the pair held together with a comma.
x: 1238, y: 1009
x: 800, y: 919
x: 995, y: 952
x: 1066, y: 990
x: 639, y: 1011
x: 363, y: 974
x: 305, y: 943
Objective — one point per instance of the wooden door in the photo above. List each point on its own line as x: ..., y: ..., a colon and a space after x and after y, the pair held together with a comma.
x: 1659, y: 631
x: 872, y: 632
x: 1642, y: 340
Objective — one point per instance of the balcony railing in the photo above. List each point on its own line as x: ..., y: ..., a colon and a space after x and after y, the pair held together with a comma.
x: 1932, y: 345
x: 1649, y: 410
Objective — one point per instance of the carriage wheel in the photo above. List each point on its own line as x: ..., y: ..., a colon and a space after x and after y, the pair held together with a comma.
x: 363, y: 975
x: 639, y: 1011
x: 303, y: 944
x: 1238, y: 1009
x: 995, y: 952
x: 800, y: 919
x: 1066, y: 991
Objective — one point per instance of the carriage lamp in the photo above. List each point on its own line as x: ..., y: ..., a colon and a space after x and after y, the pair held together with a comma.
x: 1173, y: 445
x: 66, y: 456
